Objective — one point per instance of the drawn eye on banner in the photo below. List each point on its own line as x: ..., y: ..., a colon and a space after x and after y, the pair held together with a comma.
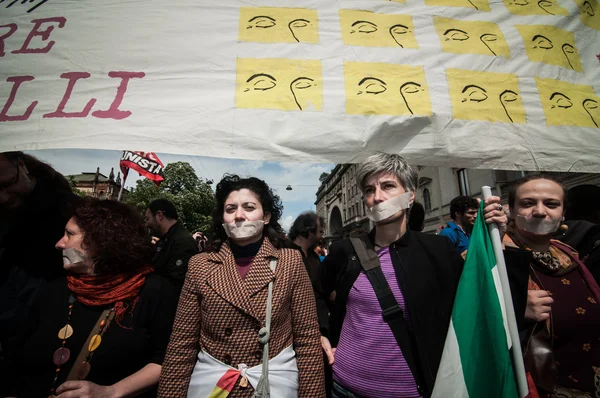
x: 32, y: 5
x: 385, y: 89
x: 489, y: 96
x: 535, y: 7
x: 479, y: 5
x: 568, y: 104
x: 589, y: 13
x: 284, y: 84
x: 278, y: 25
x: 366, y: 28
x: 469, y: 37
x: 550, y: 45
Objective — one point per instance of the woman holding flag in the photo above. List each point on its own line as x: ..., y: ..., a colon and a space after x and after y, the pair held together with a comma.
x: 246, y: 324
x: 394, y: 291
x: 562, y: 349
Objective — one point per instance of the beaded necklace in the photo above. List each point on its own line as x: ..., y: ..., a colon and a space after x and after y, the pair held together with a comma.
x: 63, y: 354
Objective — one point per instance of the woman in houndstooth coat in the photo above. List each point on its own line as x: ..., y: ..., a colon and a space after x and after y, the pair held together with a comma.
x: 215, y: 345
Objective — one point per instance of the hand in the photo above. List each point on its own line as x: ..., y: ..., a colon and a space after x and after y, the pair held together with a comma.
x: 155, y: 240
x: 494, y: 213
x: 330, y: 352
x: 538, y: 305
x: 84, y: 389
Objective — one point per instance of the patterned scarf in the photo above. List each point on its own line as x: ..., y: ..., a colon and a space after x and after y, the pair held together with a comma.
x: 100, y: 290
x: 553, y: 261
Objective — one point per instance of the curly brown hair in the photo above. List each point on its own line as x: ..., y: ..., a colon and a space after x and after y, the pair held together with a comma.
x: 115, y: 234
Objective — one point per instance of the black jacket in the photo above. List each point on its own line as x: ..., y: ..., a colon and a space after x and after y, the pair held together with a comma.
x: 173, y: 252
x: 28, y: 256
x: 428, y: 270
x: 312, y: 262
x: 584, y: 237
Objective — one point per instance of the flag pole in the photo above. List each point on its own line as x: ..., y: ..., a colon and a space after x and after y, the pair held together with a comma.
x: 122, y: 185
x: 516, y: 352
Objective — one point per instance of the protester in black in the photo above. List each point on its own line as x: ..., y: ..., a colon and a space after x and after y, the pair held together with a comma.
x: 175, y: 246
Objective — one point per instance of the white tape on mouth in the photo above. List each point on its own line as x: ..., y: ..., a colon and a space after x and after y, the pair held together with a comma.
x: 243, y: 229
x: 537, y: 226
x: 386, y: 209
x: 72, y: 256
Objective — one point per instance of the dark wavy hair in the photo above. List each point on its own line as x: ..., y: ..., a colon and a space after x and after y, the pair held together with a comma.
x: 39, y: 169
x: 270, y: 202
x: 461, y: 204
x: 304, y: 224
x: 115, y: 234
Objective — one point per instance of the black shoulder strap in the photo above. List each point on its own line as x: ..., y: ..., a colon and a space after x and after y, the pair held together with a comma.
x: 391, y: 311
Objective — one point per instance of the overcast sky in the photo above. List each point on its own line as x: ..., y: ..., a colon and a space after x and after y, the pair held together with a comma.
x: 303, y: 177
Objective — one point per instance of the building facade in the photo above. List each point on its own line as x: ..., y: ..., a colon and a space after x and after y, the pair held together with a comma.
x: 97, y: 184
x: 339, y: 200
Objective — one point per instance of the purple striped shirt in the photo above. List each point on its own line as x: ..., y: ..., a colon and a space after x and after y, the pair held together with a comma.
x: 368, y: 360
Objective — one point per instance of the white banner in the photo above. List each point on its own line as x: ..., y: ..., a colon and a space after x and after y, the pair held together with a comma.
x: 466, y: 83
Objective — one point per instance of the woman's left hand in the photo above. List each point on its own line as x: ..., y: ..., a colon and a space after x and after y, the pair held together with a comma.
x: 84, y: 389
x: 494, y: 213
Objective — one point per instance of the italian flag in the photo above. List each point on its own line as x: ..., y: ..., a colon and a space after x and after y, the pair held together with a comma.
x: 225, y: 384
x: 476, y: 361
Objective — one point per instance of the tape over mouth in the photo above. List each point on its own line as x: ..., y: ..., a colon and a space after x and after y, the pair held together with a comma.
x: 387, y: 209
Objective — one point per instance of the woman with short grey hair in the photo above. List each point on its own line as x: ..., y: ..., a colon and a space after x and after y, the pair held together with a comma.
x: 394, y: 291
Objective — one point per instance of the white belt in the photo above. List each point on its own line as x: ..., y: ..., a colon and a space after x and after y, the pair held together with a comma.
x: 283, y: 375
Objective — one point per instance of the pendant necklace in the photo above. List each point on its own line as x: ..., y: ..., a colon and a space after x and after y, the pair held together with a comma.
x: 63, y: 354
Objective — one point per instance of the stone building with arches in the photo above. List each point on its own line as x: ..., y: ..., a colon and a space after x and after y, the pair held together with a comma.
x: 339, y: 200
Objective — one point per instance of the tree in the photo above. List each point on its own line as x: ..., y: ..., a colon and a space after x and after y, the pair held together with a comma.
x: 74, y: 188
x: 192, y: 196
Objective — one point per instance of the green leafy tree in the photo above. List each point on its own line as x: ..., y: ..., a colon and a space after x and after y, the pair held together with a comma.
x: 74, y: 188
x: 192, y: 196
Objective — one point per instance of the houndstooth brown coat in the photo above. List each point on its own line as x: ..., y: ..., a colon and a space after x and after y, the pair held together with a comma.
x: 221, y: 313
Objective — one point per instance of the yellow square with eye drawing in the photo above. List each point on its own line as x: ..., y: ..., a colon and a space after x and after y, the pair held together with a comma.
x: 589, y: 13
x: 278, y: 25
x: 385, y: 89
x: 535, y: 7
x: 550, y: 45
x: 479, y: 5
x: 568, y: 104
x: 366, y: 28
x: 471, y: 37
x: 489, y: 96
x: 273, y: 83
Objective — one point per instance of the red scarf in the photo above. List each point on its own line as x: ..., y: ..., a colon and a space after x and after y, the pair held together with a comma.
x: 100, y: 290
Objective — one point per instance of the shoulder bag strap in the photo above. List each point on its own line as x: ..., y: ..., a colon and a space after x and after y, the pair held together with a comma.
x: 262, y: 388
x: 391, y: 312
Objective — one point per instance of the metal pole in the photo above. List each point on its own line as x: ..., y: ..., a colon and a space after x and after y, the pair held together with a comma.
x: 122, y: 185
x: 516, y: 352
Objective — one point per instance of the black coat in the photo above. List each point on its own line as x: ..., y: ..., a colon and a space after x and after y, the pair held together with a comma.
x: 28, y: 257
x: 428, y: 270
x: 173, y: 252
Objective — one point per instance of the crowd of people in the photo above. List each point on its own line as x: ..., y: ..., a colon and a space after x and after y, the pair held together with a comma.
x: 113, y: 301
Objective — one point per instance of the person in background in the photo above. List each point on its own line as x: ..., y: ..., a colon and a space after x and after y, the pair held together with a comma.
x: 422, y: 272
x: 582, y: 219
x: 201, y: 241
x: 562, y: 349
x: 102, y: 330
x: 221, y: 327
x: 35, y: 204
x: 463, y: 211
x: 175, y: 246
x: 416, y: 217
x: 304, y: 235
